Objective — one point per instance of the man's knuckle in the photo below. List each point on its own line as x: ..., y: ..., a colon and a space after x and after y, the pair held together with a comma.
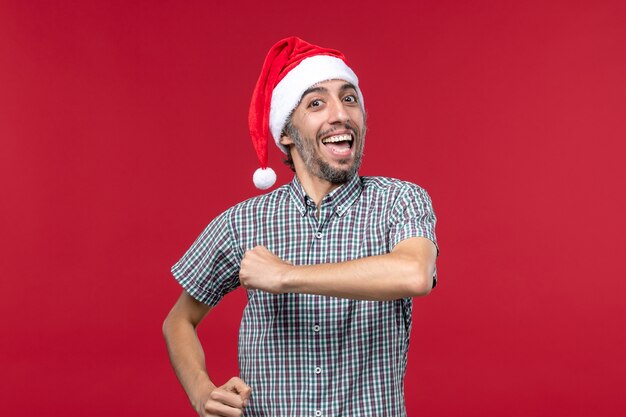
x: 209, y: 407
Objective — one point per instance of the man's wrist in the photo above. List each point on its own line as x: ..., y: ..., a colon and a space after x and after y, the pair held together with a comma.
x: 199, y: 395
x: 288, y: 281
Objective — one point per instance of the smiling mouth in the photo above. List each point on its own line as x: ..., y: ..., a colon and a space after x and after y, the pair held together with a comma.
x: 340, y: 145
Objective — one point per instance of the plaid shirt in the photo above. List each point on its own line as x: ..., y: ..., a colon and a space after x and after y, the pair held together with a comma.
x: 310, y: 355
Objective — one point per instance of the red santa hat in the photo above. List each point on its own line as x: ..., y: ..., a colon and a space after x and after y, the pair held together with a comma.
x: 290, y: 68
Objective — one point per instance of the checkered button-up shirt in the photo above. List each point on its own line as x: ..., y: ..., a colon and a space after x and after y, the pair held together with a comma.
x: 310, y: 355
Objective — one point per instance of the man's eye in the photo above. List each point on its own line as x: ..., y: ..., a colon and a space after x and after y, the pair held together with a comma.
x: 350, y: 99
x: 315, y: 103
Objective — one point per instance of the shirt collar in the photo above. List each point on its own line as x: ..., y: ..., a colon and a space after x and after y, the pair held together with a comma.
x: 340, y: 199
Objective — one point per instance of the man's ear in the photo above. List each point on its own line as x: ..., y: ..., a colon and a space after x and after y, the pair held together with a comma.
x: 286, y: 140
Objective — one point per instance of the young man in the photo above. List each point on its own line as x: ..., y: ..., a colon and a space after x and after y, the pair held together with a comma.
x: 330, y: 261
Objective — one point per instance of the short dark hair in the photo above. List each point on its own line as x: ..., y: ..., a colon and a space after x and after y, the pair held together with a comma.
x: 289, y: 161
x: 289, y: 130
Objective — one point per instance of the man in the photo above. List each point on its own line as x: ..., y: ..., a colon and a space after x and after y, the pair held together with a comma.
x: 330, y: 261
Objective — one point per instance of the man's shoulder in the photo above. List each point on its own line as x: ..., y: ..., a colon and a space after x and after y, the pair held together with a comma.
x: 389, y: 185
x: 260, y: 202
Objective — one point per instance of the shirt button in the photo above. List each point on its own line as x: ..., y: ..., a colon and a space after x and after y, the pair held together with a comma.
x: 318, y: 235
x: 318, y: 413
x: 318, y: 370
x: 316, y: 328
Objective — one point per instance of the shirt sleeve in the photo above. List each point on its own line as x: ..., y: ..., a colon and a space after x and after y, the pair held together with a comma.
x: 413, y: 216
x: 210, y: 267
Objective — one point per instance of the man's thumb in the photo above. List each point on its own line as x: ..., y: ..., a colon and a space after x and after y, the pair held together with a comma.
x: 237, y: 386
x: 245, y: 394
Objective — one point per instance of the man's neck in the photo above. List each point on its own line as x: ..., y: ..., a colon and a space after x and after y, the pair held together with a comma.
x: 316, y: 188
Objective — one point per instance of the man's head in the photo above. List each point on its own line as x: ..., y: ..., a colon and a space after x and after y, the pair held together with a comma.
x: 326, y: 132
x: 293, y: 74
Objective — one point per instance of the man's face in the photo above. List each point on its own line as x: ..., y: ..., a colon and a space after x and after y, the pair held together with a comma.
x: 328, y: 131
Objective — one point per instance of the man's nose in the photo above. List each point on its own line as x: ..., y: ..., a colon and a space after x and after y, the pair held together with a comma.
x: 338, y: 113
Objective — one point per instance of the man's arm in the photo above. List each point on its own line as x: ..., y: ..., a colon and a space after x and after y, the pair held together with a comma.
x: 187, y: 357
x: 406, y: 271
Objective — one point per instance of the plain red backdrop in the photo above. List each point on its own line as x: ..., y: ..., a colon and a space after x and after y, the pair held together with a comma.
x: 123, y: 132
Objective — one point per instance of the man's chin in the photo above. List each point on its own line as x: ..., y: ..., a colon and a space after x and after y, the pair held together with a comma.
x: 337, y: 175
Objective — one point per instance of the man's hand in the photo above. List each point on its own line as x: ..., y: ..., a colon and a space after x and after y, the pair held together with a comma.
x: 227, y: 400
x: 262, y: 270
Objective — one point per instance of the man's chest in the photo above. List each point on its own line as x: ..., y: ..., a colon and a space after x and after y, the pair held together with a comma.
x: 319, y: 236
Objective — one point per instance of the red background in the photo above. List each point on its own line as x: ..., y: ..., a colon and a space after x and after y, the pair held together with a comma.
x: 123, y: 132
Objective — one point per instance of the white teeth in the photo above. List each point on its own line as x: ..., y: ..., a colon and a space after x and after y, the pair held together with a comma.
x: 338, y: 138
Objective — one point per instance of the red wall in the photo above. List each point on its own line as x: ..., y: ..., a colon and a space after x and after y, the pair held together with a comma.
x: 123, y: 132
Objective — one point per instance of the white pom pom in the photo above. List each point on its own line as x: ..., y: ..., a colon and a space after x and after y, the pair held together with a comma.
x: 264, y: 178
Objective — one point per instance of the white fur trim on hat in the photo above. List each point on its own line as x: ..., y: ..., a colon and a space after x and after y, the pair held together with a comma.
x: 289, y: 90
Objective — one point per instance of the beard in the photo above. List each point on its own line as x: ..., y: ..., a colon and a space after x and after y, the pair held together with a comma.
x: 322, y: 169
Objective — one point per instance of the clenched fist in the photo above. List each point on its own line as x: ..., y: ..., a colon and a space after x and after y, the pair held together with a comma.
x: 228, y: 400
x: 260, y: 269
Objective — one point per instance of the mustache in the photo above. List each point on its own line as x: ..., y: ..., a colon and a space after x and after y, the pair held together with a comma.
x: 346, y: 125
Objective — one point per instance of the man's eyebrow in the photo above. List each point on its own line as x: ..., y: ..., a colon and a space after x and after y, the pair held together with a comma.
x: 314, y: 90
x: 318, y: 89
x: 348, y: 86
